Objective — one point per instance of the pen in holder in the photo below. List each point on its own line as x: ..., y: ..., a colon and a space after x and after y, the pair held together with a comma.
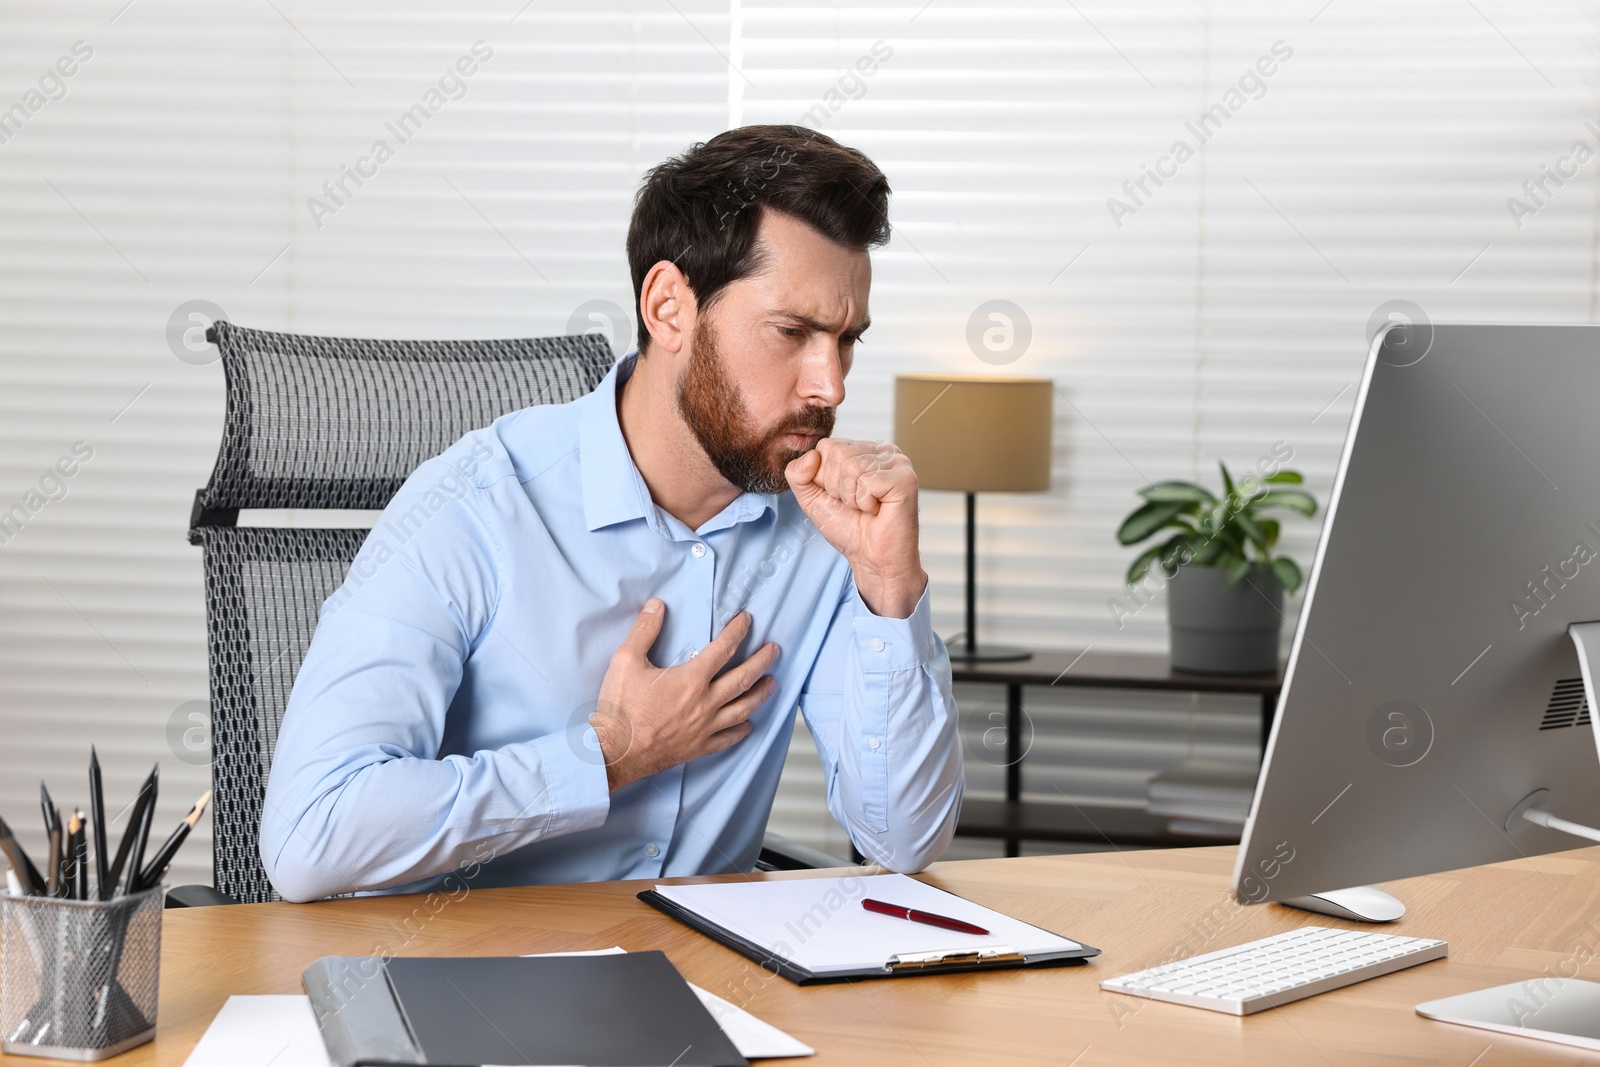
x: 79, y: 978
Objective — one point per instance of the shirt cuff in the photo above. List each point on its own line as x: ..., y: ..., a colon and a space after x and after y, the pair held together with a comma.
x: 578, y: 792
x: 885, y: 644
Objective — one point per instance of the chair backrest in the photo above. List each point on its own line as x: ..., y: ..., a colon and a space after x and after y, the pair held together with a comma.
x: 325, y: 423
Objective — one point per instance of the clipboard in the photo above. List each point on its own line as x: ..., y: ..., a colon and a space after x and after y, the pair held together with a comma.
x: 758, y: 920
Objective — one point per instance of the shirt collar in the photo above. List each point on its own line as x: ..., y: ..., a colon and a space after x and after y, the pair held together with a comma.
x: 613, y: 489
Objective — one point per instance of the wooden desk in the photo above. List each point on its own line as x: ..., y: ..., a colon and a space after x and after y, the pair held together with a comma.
x: 1503, y: 922
x: 1013, y: 818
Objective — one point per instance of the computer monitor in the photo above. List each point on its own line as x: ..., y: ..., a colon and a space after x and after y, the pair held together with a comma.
x: 1433, y: 687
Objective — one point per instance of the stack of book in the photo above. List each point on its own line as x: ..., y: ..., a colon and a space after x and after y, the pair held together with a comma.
x: 1204, y: 798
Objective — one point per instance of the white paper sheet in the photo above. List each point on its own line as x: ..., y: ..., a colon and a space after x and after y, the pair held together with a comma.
x: 254, y: 1031
x: 753, y: 1038
x: 260, y: 1030
x: 819, y: 923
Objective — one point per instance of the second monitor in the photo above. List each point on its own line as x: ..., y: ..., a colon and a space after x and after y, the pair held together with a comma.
x: 1433, y: 688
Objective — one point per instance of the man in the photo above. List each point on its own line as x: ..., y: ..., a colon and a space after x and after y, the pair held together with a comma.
x: 584, y: 661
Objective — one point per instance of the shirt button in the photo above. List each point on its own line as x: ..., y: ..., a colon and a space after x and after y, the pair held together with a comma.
x: 693, y: 653
x: 698, y: 549
x: 872, y: 743
x: 652, y: 851
x: 877, y: 644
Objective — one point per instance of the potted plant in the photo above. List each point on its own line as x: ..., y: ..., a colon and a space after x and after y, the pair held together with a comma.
x: 1225, y: 584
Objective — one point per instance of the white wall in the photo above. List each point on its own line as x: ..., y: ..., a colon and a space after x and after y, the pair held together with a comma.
x: 1226, y: 312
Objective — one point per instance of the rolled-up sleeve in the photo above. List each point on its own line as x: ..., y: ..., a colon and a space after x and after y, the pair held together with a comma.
x: 358, y: 797
x: 879, y: 704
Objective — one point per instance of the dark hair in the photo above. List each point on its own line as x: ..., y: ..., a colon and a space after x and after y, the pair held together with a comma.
x: 700, y: 210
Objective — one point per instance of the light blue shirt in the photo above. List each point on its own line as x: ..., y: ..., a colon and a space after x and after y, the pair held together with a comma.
x: 439, y: 722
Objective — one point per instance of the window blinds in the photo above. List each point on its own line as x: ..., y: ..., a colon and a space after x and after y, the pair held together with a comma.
x: 1190, y: 304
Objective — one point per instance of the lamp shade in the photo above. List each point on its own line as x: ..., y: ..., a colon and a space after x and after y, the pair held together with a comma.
x: 975, y: 433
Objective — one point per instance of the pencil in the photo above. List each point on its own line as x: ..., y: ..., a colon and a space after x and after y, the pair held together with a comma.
x: 114, y: 878
x: 97, y: 809
x: 80, y: 858
x: 69, y: 859
x: 52, y: 833
x: 163, y: 858
x: 32, y: 880
x: 141, y: 832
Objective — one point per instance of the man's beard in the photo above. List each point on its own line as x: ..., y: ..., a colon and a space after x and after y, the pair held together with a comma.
x: 711, y: 403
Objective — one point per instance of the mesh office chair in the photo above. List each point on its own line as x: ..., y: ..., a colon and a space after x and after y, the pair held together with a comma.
x: 333, y: 423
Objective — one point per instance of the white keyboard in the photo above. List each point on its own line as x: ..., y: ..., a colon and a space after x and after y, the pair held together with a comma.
x: 1276, y: 970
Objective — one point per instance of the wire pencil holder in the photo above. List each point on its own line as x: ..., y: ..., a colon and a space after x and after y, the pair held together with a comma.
x: 79, y: 979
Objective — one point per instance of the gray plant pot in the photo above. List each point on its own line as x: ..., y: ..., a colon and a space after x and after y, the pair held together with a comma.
x: 1224, y: 629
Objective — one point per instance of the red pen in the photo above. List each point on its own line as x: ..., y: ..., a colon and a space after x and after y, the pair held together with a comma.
x: 900, y: 911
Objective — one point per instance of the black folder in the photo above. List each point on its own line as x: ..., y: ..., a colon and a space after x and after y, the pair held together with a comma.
x: 625, y: 1010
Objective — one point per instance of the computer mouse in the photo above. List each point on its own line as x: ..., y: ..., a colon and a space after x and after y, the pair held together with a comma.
x: 1360, y: 904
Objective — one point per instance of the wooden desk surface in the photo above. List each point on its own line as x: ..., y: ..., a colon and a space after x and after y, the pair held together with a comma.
x: 1504, y: 923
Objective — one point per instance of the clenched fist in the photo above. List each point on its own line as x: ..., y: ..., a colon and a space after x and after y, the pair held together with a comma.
x: 862, y: 497
x: 650, y: 718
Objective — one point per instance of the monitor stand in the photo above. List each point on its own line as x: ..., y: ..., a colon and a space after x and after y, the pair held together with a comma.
x: 1358, y: 904
x: 1586, y: 639
x: 1546, y: 1008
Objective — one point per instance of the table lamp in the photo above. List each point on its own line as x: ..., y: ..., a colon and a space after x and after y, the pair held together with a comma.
x: 972, y: 434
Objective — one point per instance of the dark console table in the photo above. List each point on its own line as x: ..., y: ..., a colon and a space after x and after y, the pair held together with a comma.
x: 1012, y: 819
